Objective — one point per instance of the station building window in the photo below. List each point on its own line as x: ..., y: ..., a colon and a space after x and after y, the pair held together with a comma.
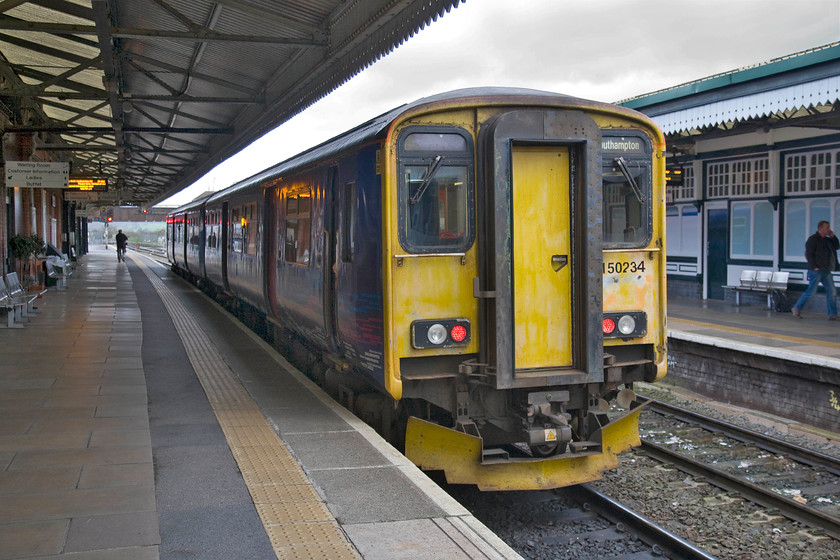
x: 812, y: 172
x: 801, y: 219
x: 682, y: 225
x: 687, y: 191
x: 751, y: 230
x: 718, y: 177
x: 739, y: 178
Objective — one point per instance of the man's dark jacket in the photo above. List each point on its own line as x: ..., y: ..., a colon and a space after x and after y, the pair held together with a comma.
x: 820, y: 252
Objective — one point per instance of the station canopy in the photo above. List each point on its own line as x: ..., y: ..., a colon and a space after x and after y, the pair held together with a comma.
x: 152, y: 94
x: 799, y: 90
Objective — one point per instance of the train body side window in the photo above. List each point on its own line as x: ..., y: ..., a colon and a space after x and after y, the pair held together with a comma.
x: 298, y: 227
x: 251, y: 226
x: 436, y: 189
x: 212, y: 229
x: 237, y: 243
x: 348, y: 219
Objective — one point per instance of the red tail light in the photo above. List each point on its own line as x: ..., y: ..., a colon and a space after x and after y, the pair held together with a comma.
x: 458, y: 333
x: 609, y: 326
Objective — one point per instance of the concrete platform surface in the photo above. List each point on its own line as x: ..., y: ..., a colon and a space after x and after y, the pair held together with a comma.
x: 138, y: 421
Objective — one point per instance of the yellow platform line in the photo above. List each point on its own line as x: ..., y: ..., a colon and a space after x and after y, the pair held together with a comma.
x: 740, y: 330
x: 296, y: 520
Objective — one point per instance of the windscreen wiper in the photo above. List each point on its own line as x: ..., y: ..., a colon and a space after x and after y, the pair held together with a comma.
x: 622, y: 165
x: 430, y: 172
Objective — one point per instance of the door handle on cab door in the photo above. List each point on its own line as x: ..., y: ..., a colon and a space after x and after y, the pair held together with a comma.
x: 559, y: 261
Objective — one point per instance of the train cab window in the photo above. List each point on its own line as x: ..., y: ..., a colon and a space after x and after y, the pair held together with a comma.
x: 436, y: 190
x: 627, y: 190
x: 298, y: 227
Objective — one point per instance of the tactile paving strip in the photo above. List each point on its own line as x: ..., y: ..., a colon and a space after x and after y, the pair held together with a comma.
x: 296, y: 520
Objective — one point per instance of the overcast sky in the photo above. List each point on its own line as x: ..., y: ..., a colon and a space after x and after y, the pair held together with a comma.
x: 606, y: 50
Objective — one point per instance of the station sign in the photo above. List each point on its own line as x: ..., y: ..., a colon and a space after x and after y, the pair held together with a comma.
x: 88, y: 184
x: 37, y: 174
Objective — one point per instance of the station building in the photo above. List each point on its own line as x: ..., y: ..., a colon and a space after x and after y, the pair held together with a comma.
x: 754, y: 165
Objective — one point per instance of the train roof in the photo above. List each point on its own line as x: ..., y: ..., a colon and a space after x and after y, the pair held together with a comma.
x: 197, y: 201
x: 379, y: 125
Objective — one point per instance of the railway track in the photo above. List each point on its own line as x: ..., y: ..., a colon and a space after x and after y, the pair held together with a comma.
x: 799, y: 483
x: 574, y: 523
x: 725, y: 517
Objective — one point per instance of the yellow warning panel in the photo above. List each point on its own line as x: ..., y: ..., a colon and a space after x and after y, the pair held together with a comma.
x: 434, y: 447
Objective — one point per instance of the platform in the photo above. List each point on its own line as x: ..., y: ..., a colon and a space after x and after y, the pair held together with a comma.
x: 754, y: 328
x: 139, y: 421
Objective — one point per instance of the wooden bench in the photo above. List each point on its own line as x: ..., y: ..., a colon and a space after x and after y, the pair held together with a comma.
x: 762, y: 281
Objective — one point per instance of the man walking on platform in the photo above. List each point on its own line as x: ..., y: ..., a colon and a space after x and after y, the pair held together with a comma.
x: 820, y: 251
x: 122, y: 240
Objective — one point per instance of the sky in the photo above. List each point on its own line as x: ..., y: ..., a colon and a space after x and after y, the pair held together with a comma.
x: 605, y: 50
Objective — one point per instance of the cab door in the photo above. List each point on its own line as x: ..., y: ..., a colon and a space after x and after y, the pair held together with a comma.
x: 542, y: 286
x: 539, y: 275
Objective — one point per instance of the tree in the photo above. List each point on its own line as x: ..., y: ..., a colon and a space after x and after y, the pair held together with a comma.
x: 25, y: 248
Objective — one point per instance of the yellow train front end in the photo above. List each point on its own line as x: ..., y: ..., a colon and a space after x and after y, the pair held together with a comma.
x: 518, y: 229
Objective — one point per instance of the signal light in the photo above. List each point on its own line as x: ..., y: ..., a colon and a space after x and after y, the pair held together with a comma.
x: 110, y: 219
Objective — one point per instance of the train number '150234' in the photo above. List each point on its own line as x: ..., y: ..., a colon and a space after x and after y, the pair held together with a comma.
x: 623, y: 267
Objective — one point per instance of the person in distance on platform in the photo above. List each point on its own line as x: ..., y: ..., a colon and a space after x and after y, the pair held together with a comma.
x: 122, y: 240
x: 821, y: 253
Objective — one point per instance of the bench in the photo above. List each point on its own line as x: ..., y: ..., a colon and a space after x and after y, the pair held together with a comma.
x: 56, y: 270
x: 13, y: 309
x: 16, y: 304
x: 762, y: 281
x: 16, y: 290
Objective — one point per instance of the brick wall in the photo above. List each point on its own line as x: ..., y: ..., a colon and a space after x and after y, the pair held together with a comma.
x: 684, y: 288
x: 802, y: 392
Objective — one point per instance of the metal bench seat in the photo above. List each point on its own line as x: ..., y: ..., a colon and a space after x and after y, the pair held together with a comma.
x: 760, y: 281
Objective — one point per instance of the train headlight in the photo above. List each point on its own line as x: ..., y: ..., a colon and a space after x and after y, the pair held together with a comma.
x: 441, y: 333
x: 629, y: 324
x: 436, y: 334
x: 626, y: 325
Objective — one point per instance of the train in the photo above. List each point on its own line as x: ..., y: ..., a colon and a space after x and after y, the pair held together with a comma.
x: 479, y: 274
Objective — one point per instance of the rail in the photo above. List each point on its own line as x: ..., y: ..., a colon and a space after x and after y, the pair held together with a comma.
x: 660, y: 539
x: 765, y: 497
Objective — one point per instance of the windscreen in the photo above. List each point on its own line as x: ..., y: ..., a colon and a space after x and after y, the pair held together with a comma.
x: 627, y: 184
x: 436, y: 190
